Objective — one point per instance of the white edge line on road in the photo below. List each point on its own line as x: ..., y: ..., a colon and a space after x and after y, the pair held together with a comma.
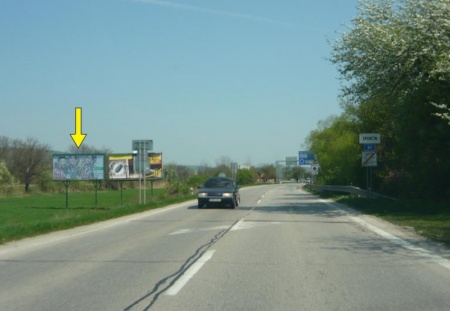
x: 189, y: 273
x: 438, y: 259
x: 392, y: 238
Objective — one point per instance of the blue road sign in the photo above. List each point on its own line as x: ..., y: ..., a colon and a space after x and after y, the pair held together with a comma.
x: 369, y: 147
x: 305, y: 157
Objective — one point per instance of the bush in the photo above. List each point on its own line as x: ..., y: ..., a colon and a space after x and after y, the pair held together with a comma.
x: 45, y: 182
x: 176, y: 187
x: 246, y: 177
x: 7, y: 180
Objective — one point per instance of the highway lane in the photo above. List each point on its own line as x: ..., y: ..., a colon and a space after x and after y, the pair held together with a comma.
x: 283, y: 249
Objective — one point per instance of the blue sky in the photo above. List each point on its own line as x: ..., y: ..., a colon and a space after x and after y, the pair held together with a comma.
x: 204, y: 79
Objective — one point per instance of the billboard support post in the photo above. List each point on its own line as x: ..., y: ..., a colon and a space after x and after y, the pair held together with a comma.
x: 66, y: 185
x: 369, y: 156
x: 121, y: 192
x: 97, y: 184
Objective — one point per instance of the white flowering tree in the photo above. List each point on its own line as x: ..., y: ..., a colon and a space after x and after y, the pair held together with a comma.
x: 394, y: 62
x: 394, y: 49
x: 6, y: 178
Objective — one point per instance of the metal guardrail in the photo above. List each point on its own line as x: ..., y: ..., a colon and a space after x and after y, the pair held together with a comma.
x: 349, y: 189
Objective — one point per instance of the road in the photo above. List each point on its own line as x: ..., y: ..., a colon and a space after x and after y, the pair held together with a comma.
x: 283, y: 249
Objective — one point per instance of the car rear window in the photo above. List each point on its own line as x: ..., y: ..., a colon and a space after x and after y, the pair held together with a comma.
x: 219, y: 183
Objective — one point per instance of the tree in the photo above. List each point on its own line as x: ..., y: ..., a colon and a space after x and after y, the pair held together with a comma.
x: 395, y: 65
x: 7, y: 180
x: 298, y: 173
x: 394, y: 49
x: 335, y: 143
x: 267, y: 171
x: 181, y: 172
x: 223, y: 165
x: 29, y: 159
x: 5, y: 148
x: 196, y: 181
x: 86, y: 149
x: 246, y: 177
x: 177, y: 179
x: 293, y: 172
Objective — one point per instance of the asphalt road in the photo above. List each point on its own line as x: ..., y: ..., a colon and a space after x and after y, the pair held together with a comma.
x: 283, y: 249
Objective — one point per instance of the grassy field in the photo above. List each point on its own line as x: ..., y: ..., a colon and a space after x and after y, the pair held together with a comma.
x: 429, y: 219
x: 30, y: 215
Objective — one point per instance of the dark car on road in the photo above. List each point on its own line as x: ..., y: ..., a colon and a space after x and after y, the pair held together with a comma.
x: 219, y: 192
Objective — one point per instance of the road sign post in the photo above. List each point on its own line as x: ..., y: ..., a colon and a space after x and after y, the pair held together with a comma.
x: 142, y: 147
x: 369, y: 155
x: 369, y: 158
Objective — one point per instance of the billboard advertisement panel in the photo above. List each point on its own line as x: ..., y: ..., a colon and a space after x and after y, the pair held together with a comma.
x: 155, y: 160
x: 78, y: 166
x: 126, y: 166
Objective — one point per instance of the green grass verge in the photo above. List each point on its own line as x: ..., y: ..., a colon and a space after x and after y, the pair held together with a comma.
x: 35, y: 214
x: 429, y: 219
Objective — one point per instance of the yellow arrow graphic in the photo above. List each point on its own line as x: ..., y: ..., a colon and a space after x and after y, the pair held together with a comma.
x: 78, y: 137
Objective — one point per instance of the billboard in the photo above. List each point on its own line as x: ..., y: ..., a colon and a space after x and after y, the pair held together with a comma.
x: 78, y: 166
x: 127, y: 166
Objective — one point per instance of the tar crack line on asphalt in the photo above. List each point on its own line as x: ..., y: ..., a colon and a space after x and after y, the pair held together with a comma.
x: 174, y: 277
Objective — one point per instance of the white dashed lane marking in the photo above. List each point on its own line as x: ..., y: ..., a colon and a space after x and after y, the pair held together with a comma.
x: 190, y: 273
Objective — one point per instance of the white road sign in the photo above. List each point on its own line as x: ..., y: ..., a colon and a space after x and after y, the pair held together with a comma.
x: 369, y: 138
x: 369, y: 158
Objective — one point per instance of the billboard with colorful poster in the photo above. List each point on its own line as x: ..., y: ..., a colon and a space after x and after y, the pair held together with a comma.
x: 124, y: 166
x: 78, y: 167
